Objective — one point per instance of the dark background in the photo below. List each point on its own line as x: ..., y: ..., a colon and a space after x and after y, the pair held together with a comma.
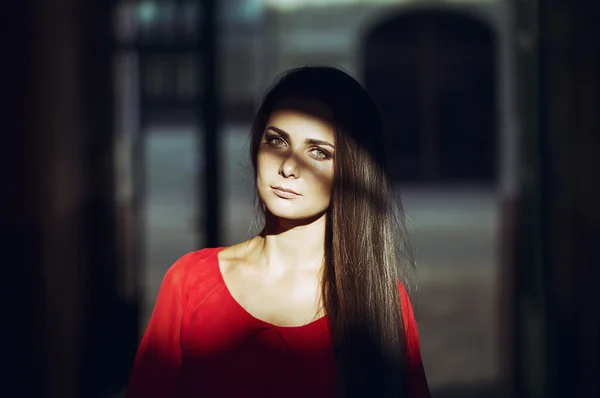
x: 125, y: 125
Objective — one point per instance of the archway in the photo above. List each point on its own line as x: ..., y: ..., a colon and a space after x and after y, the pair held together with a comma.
x: 432, y: 74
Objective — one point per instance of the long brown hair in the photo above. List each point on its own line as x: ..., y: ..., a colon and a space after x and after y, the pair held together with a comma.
x: 366, y: 252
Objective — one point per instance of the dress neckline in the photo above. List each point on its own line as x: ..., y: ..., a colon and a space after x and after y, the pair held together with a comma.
x: 221, y: 280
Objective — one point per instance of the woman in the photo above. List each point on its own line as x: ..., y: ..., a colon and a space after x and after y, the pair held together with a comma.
x: 312, y: 306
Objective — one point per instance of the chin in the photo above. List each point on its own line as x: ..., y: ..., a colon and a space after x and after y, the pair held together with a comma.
x: 289, y: 210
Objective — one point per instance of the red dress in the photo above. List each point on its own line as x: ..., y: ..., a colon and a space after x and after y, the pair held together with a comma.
x: 200, y: 342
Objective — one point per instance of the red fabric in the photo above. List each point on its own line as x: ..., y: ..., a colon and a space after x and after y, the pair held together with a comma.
x: 201, y: 343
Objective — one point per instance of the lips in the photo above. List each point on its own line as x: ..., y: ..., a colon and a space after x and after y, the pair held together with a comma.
x: 285, y: 193
x: 286, y: 190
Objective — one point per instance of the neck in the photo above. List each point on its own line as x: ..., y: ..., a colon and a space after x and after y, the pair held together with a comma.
x: 286, y: 246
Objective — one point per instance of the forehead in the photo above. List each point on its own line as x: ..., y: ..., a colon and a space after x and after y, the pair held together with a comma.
x: 303, y: 119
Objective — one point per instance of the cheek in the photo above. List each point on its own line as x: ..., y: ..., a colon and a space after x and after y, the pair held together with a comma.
x: 264, y: 162
x: 323, y: 178
x: 267, y: 168
x: 269, y: 156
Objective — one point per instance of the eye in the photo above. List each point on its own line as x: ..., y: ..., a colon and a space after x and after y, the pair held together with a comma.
x: 275, y: 141
x: 320, y: 154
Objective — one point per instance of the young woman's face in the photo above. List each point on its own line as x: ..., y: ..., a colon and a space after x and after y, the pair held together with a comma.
x: 295, y: 160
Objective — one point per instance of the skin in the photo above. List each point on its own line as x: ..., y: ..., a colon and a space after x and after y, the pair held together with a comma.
x: 276, y: 276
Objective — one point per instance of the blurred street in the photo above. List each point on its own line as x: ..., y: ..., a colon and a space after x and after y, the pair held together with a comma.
x: 454, y: 237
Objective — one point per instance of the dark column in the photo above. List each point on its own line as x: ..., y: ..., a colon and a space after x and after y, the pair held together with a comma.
x: 570, y: 124
x: 67, y: 322
x: 210, y: 123
x: 558, y: 311
x: 20, y: 228
x: 111, y: 319
x: 428, y: 100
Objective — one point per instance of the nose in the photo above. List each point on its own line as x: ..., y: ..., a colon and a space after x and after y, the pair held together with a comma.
x: 289, y: 167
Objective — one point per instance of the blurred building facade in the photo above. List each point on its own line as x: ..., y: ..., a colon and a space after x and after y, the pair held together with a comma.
x: 425, y: 55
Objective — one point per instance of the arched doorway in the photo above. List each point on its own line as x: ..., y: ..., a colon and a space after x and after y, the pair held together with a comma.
x: 432, y: 73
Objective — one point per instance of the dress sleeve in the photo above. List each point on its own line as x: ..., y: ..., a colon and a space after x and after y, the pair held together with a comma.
x: 156, y: 369
x: 418, y: 380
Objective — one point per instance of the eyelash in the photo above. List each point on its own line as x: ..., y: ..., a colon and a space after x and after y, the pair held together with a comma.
x: 277, y: 142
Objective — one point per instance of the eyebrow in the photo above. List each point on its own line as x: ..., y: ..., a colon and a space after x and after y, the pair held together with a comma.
x: 311, y: 141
